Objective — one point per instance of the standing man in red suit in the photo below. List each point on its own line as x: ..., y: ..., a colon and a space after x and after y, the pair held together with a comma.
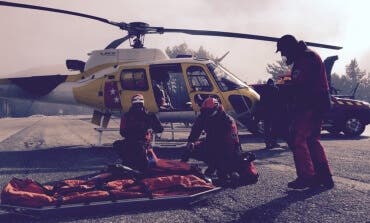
x: 311, y: 100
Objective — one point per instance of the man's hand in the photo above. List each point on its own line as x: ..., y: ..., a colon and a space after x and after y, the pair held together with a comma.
x: 189, y: 148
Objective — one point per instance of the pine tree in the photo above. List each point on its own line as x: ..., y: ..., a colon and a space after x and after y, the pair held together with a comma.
x: 346, y: 84
x: 277, y: 69
x: 183, y: 49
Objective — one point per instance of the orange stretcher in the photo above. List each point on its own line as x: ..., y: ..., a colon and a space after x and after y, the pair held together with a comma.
x: 120, y: 188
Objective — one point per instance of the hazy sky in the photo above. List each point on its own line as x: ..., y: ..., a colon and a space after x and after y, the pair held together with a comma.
x: 31, y: 38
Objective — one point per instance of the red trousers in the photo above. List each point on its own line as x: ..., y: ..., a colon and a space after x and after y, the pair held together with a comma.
x: 309, y: 155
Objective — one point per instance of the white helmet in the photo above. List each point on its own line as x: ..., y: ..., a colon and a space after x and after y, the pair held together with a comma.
x: 138, y: 98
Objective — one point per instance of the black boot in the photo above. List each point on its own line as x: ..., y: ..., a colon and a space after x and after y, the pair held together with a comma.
x: 248, y: 157
x: 302, y: 183
x: 210, y: 171
x: 327, y: 182
x: 324, y: 176
x: 234, y: 179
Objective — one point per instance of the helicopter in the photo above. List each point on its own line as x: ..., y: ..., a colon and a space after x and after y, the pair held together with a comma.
x: 173, y: 88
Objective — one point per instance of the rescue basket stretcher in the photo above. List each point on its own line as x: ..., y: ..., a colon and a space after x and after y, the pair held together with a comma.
x: 119, y: 188
x: 170, y: 183
x: 107, y: 206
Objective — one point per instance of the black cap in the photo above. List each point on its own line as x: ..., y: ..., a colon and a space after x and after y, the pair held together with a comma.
x: 286, y: 41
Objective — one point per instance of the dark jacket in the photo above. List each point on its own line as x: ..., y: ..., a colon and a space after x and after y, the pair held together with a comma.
x: 221, y: 134
x: 308, y: 73
x: 135, y: 125
x: 270, y: 101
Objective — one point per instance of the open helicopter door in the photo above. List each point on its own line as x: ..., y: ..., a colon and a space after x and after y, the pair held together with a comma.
x: 238, y: 97
x: 200, y: 85
x: 171, y: 94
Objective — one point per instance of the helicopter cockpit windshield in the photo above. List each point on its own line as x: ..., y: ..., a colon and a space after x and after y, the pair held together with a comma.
x: 226, y: 81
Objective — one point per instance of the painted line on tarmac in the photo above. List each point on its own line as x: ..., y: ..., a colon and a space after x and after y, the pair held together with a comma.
x: 353, y: 184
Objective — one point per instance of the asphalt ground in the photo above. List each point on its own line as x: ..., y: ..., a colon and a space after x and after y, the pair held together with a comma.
x: 53, y: 148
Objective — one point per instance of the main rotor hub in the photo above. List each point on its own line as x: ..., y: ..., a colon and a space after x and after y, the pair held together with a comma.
x: 137, y: 31
x: 137, y: 28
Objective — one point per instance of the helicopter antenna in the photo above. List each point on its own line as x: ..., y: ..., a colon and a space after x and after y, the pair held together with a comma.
x: 218, y: 60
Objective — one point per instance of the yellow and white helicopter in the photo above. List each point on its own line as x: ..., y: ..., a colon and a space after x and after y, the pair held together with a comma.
x: 172, y: 88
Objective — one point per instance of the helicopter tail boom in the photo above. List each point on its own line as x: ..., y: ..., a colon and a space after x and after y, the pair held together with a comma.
x: 54, y: 89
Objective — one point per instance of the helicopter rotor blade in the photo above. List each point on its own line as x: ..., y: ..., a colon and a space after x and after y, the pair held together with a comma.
x: 117, y: 42
x: 140, y: 28
x: 121, y: 25
x: 238, y: 35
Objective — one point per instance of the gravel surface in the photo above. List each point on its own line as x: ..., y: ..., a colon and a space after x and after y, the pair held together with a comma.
x: 53, y: 148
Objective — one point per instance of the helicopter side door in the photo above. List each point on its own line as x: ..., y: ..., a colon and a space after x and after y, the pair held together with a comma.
x: 170, y: 93
x: 200, y: 85
x: 240, y: 99
x: 135, y: 80
x: 169, y: 87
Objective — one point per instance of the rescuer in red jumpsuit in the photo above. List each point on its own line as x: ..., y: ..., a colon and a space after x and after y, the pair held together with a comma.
x: 311, y: 100
x: 221, y: 149
x: 136, y: 151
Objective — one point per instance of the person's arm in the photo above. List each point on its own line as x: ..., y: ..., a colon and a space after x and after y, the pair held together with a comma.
x: 122, y: 127
x: 235, y: 137
x: 156, y: 125
x: 195, y: 132
x: 196, y: 129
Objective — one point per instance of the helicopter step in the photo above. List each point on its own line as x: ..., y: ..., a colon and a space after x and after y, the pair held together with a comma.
x: 158, y: 140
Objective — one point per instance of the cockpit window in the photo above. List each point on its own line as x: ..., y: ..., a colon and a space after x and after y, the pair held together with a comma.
x: 226, y: 81
x: 198, y: 79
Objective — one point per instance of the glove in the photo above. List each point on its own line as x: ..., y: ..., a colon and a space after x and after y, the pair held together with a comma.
x: 189, y: 148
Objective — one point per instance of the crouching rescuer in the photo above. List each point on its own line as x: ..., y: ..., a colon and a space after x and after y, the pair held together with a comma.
x: 221, y: 149
x: 135, y: 150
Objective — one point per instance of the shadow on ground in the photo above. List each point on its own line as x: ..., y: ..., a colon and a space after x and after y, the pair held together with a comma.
x: 89, y: 213
x: 55, y: 159
x: 271, y: 210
